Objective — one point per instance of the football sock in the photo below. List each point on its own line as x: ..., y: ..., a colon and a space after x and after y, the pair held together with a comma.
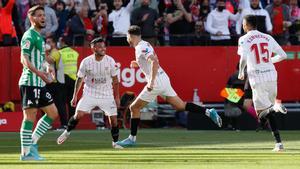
x: 134, y: 126
x: 266, y: 112
x: 26, y: 138
x: 191, y: 107
x: 274, y: 128
x: 114, y: 133
x: 43, y: 125
x: 72, y: 124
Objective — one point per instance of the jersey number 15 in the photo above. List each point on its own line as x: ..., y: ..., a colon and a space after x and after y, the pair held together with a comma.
x: 263, y: 53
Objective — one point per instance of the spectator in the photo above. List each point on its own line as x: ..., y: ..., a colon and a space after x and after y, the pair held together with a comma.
x: 51, y: 20
x: 100, y: 21
x: 200, y: 10
x: 23, y: 7
x: 179, y: 19
x: 57, y: 86
x: 80, y: 28
x: 147, y: 19
x: 152, y: 4
x: 7, y: 29
x: 62, y: 16
x: 69, y: 59
x: 217, y: 24
x: 204, y: 10
x: 280, y: 18
x: 263, y: 17
x: 294, y: 30
x: 119, y: 21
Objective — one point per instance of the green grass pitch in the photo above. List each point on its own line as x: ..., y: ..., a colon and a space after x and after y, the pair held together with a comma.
x: 158, y: 149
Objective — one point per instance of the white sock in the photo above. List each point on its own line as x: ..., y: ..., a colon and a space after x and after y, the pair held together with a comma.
x: 133, y: 138
x: 207, y: 112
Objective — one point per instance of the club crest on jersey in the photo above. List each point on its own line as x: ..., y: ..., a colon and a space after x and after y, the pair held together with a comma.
x: 146, y: 51
x: 26, y: 44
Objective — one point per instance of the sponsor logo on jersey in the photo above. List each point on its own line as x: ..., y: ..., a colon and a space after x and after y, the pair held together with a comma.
x: 3, y: 122
x: 146, y: 51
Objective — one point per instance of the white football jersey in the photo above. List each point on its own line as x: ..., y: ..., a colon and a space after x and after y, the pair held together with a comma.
x: 142, y: 51
x: 98, y: 76
x: 256, y: 49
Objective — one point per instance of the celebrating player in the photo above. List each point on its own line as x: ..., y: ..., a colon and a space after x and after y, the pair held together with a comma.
x: 255, y: 50
x: 158, y: 83
x: 32, y: 86
x: 101, y: 89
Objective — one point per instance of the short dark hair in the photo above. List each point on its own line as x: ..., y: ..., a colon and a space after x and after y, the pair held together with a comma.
x: 96, y: 40
x: 134, y: 30
x: 32, y: 10
x: 251, y: 20
x: 52, y: 38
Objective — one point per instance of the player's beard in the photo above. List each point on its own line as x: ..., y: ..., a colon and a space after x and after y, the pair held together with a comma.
x: 41, y: 26
x: 100, y: 54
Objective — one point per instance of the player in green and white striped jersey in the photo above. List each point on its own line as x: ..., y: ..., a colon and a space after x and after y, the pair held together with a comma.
x: 36, y: 73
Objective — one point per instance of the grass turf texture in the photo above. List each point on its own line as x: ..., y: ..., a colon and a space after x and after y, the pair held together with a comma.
x: 158, y: 148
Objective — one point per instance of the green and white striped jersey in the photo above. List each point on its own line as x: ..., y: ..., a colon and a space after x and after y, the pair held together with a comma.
x: 33, y: 45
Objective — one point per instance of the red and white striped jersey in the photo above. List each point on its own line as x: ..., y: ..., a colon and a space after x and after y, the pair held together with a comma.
x: 98, y: 76
x: 256, y: 49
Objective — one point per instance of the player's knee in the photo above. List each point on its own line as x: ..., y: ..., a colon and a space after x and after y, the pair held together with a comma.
x: 133, y: 108
x: 52, y: 112
x: 79, y: 114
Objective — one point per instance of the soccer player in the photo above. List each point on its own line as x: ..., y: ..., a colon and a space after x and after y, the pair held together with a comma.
x: 255, y: 50
x: 34, y: 95
x: 158, y: 83
x: 101, y: 89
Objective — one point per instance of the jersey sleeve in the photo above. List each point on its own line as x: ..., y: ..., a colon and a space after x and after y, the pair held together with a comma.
x: 27, y: 44
x: 240, y: 47
x: 114, y: 68
x: 81, y: 71
x: 146, y: 51
x: 276, y: 47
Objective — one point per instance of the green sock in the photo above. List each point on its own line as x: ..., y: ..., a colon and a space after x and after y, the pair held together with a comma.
x: 41, y: 128
x: 25, y: 134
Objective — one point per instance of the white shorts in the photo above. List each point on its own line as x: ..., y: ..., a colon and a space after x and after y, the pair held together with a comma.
x: 87, y: 103
x: 162, y: 87
x: 264, y: 95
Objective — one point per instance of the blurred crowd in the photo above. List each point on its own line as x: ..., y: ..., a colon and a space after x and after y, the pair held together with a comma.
x: 163, y: 22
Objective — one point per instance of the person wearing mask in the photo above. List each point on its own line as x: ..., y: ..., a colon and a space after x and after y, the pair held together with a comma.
x: 57, y: 85
x: 263, y: 17
x: 217, y: 24
x: 69, y: 58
